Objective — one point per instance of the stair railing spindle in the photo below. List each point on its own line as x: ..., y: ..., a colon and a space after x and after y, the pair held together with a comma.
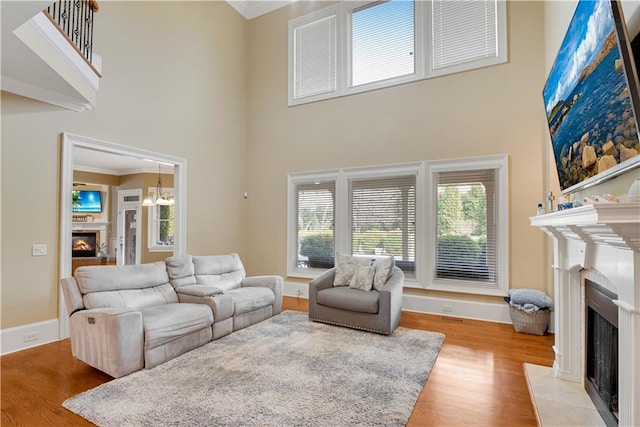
x: 74, y: 18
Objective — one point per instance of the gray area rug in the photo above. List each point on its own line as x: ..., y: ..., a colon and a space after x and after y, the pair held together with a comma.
x: 285, y: 371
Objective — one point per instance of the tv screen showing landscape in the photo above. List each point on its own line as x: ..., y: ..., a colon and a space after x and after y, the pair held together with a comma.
x: 589, y: 98
x: 87, y: 201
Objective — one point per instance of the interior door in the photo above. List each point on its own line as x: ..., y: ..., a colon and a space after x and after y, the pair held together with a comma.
x: 128, y: 251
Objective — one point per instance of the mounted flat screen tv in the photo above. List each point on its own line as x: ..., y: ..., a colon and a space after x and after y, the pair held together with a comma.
x: 591, y: 98
x: 88, y: 201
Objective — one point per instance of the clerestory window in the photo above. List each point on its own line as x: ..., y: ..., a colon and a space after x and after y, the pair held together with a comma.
x: 382, y: 41
x: 354, y: 47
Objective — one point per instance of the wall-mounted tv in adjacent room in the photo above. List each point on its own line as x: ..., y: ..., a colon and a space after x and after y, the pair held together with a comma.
x: 88, y: 201
x: 591, y: 98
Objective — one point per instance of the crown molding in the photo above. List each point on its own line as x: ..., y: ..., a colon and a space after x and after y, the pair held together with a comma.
x: 41, y: 94
x: 253, y: 8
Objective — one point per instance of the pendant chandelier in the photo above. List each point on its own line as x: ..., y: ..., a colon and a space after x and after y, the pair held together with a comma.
x: 159, y: 197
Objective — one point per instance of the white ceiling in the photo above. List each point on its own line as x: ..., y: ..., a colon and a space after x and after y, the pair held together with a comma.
x: 253, y: 8
x: 87, y: 160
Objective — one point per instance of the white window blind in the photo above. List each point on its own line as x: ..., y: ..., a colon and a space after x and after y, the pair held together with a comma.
x: 466, y: 226
x: 315, y: 225
x: 345, y: 49
x: 382, y: 41
x: 315, y: 57
x: 463, y: 31
x: 383, y: 219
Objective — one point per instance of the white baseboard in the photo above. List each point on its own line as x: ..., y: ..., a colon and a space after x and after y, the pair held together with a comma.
x: 295, y: 290
x: 490, y: 312
x: 27, y: 336
x: 477, y: 310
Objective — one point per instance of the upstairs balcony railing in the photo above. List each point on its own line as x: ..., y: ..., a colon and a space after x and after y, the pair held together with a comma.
x: 74, y: 19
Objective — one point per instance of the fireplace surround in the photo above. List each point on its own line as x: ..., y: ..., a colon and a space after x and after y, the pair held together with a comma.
x: 601, y: 352
x: 600, y: 243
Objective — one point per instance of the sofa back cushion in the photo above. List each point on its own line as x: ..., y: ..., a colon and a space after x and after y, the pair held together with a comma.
x: 222, y: 271
x: 181, y: 271
x: 125, y: 286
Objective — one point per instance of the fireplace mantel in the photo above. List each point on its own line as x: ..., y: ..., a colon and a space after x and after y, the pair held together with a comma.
x: 601, y: 240
x: 614, y: 224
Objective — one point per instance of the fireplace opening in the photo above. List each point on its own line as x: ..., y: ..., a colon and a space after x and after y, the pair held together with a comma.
x: 84, y: 244
x: 601, y: 374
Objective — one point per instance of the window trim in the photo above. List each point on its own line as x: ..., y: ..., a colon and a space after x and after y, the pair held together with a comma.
x: 305, y: 20
x: 426, y: 194
x: 342, y: 234
x: 501, y: 38
x: 501, y: 212
x: 342, y: 221
x: 293, y: 180
x: 152, y: 212
x: 346, y: 65
x: 423, y: 50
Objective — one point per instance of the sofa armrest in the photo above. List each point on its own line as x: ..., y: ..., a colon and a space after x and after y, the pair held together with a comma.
x: 221, y: 304
x: 269, y: 281
x: 109, y: 339
x: 198, y: 291
x: 272, y: 282
x: 395, y: 282
x: 323, y: 281
x: 390, y: 299
x: 72, y: 295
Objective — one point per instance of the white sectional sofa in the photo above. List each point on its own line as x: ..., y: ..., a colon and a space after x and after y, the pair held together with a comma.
x: 219, y: 281
x: 125, y: 318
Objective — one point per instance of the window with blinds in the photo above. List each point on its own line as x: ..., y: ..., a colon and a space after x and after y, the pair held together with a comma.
x: 466, y: 226
x: 315, y: 225
x: 315, y: 57
x: 446, y: 222
x: 346, y: 49
x: 160, y: 229
x: 382, y: 41
x: 463, y: 31
x: 383, y: 219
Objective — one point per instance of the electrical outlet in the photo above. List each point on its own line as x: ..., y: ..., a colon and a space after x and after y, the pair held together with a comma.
x: 31, y: 336
x: 39, y: 249
x: 446, y: 308
x: 299, y: 292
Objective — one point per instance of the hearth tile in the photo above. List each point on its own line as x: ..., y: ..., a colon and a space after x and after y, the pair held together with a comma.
x: 558, y: 402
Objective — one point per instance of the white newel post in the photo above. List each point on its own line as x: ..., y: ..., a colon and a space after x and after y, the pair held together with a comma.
x: 601, y: 240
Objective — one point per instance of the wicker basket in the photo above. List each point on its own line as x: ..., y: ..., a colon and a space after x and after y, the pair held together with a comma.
x: 535, y: 323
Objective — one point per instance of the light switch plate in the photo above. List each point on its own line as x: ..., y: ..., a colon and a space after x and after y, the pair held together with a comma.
x: 39, y: 249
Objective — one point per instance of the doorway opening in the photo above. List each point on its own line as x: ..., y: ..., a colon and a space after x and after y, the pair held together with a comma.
x: 71, y: 145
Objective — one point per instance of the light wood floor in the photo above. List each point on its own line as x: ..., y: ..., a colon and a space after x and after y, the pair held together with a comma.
x: 478, y: 378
